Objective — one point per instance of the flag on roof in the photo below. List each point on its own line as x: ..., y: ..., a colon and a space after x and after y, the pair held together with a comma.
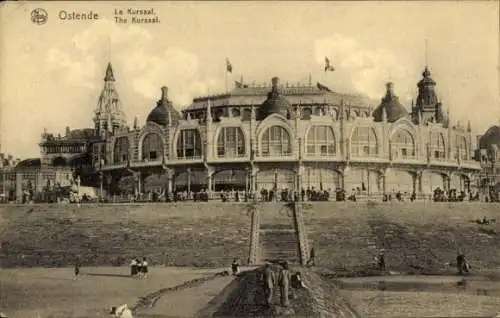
x: 240, y: 85
x: 328, y: 65
x: 229, y: 67
x: 322, y: 87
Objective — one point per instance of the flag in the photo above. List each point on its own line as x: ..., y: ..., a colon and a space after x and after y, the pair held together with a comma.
x: 328, y: 66
x: 240, y: 85
x: 229, y: 67
x: 322, y: 87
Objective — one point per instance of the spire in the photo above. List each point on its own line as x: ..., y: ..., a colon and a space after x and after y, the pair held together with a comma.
x: 209, y: 111
x: 109, y: 74
x: 109, y: 105
x: 468, y: 126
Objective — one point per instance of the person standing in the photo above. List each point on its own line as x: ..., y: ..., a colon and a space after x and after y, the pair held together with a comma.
x: 77, y: 270
x: 139, y: 268
x: 144, y: 268
x: 235, y: 266
x: 133, y: 267
x: 284, y: 283
x: 269, y: 280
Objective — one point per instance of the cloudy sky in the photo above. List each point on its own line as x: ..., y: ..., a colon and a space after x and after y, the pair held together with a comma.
x: 51, y: 75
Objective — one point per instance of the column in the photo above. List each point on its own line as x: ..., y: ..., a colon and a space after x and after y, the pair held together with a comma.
x: 19, y: 187
x: 189, y: 182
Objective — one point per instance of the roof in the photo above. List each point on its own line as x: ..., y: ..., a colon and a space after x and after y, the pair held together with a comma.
x: 164, y: 113
x: 275, y: 102
x: 393, y: 108
x: 296, y: 95
x: 32, y: 162
x: 490, y: 137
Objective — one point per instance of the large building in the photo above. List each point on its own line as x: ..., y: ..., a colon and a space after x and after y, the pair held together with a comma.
x: 266, y: 137
x: 488, y: 153
x: 289, y: 137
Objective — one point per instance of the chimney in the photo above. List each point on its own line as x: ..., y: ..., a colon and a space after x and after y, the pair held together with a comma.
x: 275, y: 82
x: 164, y: 94
x: 390, y: 89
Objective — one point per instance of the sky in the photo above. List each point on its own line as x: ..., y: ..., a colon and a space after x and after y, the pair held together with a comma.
x: 51, y: 75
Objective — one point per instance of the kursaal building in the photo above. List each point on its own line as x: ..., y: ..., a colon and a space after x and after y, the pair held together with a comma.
x: 274, y: 137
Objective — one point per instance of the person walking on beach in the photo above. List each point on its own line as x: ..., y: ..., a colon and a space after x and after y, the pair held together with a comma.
x: 269, y: 280
x: 133, y: 268
x: 139, y: 268
x: 235, y: 266
x: 144, y: 266
x: 284, y: 283
x: 77, y: 270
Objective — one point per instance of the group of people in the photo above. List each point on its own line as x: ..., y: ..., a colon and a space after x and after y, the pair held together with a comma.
x: 139, y: 268
x: 285, y: 280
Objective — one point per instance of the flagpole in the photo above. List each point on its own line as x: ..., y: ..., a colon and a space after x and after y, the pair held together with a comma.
x: 225, y: 77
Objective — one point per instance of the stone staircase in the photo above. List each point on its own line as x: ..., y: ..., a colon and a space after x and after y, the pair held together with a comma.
x: 278, y: 238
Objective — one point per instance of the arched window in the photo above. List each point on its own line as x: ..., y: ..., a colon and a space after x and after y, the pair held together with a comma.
x: 121, y: 150
x: 403, y: 144
x: 320, y: 141
x: 189, y: 144
x: 230, y: 143
x: 152, y: 147
x: 437, y: 148
x: 235, y: 112
x: 462, y: 149
x: 364, y: 142
x: 276, y: 142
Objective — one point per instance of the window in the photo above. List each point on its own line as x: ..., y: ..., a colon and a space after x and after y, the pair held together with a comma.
x: 276, y: 142
x: 230, y: 142
x: 364, y: 142
x: 462, y: 148
x: 152, y: 147
x: 437, y: 148
x: 403, y: 145
x: 121, y: 149
x: 189, y: 144
x: 320, y: 141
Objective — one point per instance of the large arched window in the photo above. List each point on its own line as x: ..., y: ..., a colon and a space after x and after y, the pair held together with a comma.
x: 403, y: 145
x: 121, y: 150
x: 436, y: 147
x: 276, y: 142
x: 189, y: 144
x: 462, y: 149
x: 320, y: 141
x: 230, y: 143
x: 152, y: 147
x: 364, y: 142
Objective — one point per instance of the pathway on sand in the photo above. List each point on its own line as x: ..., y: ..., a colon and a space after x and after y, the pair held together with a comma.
x: 186, y: 302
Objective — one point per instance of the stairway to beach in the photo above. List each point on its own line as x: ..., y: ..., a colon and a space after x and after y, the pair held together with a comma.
x: 278, y: 239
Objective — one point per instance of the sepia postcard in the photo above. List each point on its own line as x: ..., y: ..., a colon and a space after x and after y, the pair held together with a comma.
x: 249, y: 159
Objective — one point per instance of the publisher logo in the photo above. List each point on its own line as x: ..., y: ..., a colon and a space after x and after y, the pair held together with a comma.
x: 39, y: 16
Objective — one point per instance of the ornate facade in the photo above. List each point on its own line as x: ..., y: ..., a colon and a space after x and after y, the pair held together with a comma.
x: 287, y: 137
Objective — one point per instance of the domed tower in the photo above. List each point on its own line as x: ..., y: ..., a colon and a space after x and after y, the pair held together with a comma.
x: 164, y: 114
x: 427, y: 102
x: 109, y: 115
x: 390, y: 108
x: 275, y: 103
x: 491, y: 137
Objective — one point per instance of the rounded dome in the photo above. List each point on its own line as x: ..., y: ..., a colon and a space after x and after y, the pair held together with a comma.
x: 164, y: 113
x: 393, y: 108
x: 276, y: 103
x: 491, y: 137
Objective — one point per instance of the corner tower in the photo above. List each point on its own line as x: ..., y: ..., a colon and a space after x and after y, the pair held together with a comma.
x: 109, y: 115
x: 427, y: 104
